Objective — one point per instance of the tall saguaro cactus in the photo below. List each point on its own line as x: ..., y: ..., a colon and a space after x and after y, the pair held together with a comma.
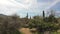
x: 43, y: 14
x: 27, y: 16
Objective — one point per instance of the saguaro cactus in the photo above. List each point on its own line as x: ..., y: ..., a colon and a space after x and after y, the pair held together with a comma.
x: 43, y: 15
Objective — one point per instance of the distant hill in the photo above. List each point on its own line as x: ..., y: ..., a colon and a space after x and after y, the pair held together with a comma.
x: 1, y: 15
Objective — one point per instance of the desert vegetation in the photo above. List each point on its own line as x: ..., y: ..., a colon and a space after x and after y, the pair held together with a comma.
x: 36, y: 24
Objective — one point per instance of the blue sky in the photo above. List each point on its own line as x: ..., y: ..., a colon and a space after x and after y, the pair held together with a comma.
x: 45, y: 0
x: 56, y: 6
x: 32, y: 7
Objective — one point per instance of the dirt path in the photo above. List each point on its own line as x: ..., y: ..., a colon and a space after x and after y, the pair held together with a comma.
x: 25, y: 30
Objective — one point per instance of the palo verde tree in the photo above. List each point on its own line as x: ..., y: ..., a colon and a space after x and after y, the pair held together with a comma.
x: 43, y: 26
x: 52, y: 17
x: 52, y: 24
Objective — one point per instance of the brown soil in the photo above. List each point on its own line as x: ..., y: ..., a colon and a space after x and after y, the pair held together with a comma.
x: 25, y: 30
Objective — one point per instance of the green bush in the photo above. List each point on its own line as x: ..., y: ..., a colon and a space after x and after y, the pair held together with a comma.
x: 12, y: 32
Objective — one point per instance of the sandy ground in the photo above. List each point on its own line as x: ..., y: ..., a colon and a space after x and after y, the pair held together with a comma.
x: 25, y: 30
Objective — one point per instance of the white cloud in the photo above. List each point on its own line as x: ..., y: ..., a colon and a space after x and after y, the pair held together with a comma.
x: 7, y: 10
x: 9, y: 7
